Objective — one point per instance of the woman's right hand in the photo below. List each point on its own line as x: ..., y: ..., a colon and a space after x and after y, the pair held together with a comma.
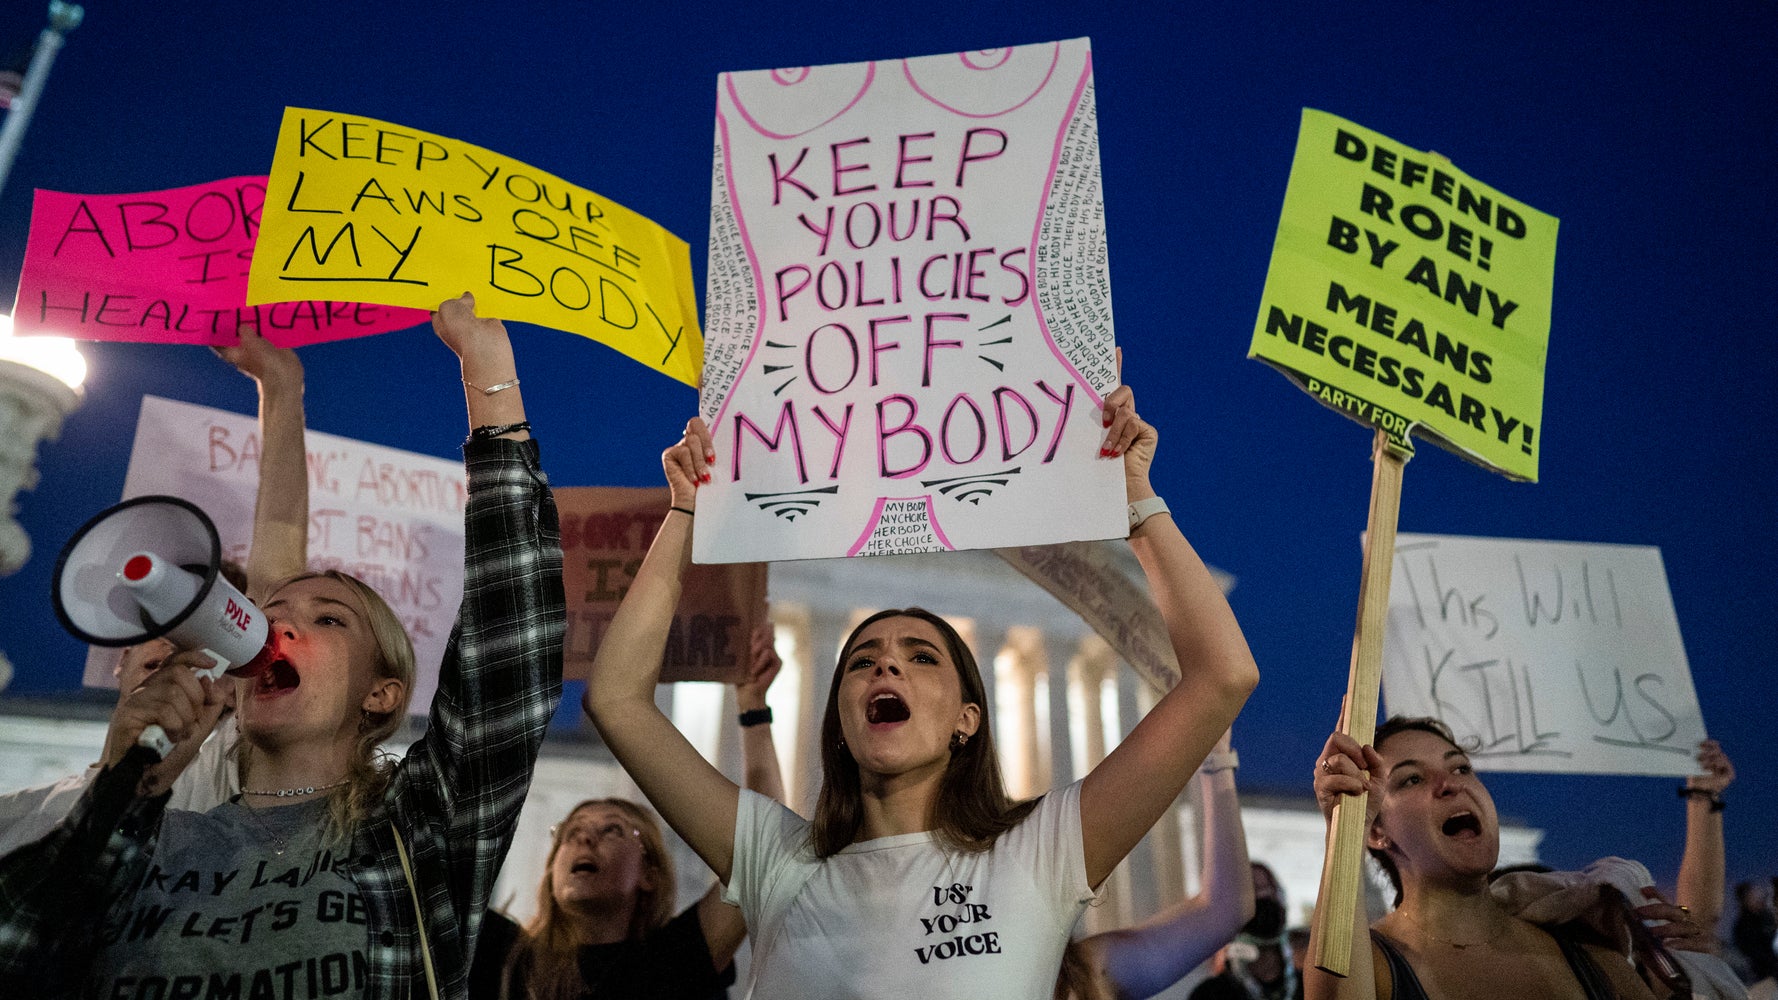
x: 1718, y: 771
x: 688, y: 463
x: 1340, y: 770
x: 176, y: 699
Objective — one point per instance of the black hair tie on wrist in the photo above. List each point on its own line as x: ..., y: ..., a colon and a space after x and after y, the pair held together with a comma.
x: 754, y: 716
x: 1716, y: 802
x: 488, y: 432
x: 683, y: 510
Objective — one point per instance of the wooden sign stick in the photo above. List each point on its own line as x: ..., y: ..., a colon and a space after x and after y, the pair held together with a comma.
x: 1342, y: 867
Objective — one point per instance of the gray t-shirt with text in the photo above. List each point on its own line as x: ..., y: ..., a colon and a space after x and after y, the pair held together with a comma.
x: 238, y: 903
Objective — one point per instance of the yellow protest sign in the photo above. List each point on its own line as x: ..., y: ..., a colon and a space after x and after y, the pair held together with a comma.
x: 1410, y: 296
x: 361, y: 210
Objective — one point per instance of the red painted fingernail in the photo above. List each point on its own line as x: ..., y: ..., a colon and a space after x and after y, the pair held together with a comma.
x: 706, y: 477
x: 1115, y: 453
x: 1107, y: 422
x: 711, y: 457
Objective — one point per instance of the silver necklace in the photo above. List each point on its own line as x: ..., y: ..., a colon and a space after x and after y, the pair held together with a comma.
x: 278, y: 843
x: 285, y: 793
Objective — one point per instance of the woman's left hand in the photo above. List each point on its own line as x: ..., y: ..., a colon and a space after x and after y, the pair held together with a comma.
x: 1130, y: 437
x: 762, y: 668
x: 464, y: 332
x: 1680, y: 932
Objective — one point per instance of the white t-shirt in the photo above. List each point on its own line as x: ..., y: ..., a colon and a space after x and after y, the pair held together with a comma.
x: 900, y: 916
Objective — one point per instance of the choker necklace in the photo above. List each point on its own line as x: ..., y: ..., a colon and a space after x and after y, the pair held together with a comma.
x: 1460, y: 947
x: 285, y: 793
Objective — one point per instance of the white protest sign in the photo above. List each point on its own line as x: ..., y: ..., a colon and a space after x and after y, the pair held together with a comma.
x: 908, y: 334
x: 391, y: 518
x: 1542, y: 656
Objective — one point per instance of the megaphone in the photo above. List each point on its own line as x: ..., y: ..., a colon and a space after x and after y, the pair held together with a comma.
x: 150, y: 568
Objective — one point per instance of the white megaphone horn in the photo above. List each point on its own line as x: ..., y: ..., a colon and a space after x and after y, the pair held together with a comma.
x: 150, y: 568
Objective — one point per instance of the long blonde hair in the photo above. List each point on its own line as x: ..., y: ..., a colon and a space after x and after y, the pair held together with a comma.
x: 368, y: 776
x: 546, y: 953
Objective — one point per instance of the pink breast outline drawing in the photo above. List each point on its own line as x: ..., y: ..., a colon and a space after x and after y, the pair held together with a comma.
x: 783, y: 77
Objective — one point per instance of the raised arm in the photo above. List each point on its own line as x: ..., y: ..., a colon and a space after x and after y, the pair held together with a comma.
x: 1143, y: 960
x: 760, y: 770
x: 1345, y: 768
x: 1130, y: 789
x: 1701, y: 869
x: 280, y: 547
x: 724, y: 928
x: 458, y: 792
x: 696, y: 799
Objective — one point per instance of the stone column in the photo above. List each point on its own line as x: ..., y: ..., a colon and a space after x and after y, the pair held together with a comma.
x: 1059, y: 655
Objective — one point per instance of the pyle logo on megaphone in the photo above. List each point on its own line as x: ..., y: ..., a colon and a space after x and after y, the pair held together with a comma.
x: 148, y: 568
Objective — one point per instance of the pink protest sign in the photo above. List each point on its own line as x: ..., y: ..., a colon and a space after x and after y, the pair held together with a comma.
x: 167, y: 267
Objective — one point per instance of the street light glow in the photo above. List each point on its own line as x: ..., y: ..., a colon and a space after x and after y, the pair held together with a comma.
x: 55, y: 356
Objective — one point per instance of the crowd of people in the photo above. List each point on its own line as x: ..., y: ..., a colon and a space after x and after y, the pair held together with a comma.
x: 303, y: 861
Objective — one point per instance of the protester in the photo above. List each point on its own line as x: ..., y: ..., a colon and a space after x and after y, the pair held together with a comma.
x: 1755, y: 927
x: 915, y: 847
x: 278, y: 550
x: 1257, y: 962
x: 329, y: 869
x: 1434, y: 831
x: 605, y: 925
x: 1143, y: 960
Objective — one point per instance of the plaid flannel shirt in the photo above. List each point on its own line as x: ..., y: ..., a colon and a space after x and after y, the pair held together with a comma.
x: 455, y: 797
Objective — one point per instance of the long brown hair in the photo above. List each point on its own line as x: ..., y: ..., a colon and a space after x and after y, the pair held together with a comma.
x: 546, y: 954
x: 972, y: 808
x: 367, y: 777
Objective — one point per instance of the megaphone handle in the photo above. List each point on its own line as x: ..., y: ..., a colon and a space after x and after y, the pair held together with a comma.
x: 153, y: 737
x: 216, y: 670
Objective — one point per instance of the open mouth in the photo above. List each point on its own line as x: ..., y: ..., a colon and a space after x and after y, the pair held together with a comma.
x: 1463, y: 824
x: 278, y: 676
x: 886, y: 707
x: 584, y: 868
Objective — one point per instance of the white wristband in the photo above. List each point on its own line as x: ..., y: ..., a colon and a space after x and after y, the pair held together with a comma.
x: 1142, y: 510
x: 1216, y: 762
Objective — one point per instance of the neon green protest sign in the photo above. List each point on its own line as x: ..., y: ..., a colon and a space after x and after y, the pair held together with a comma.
x: 1409, y: 296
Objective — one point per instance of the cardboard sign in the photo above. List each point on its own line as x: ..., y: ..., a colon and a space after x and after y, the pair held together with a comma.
x: 167, y: 267
x: 909, y: 309
x: 605, y: 533
x: 391, y: 518
x: 1542, y: 656
x: 1409, y: 296
x: 1085, y: 576
x: 381, y: 213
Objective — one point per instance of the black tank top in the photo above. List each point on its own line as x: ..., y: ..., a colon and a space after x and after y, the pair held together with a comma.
x: 1406, y: 985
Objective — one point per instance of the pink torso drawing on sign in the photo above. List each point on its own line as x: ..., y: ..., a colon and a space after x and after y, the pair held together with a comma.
x: 908, y: 323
